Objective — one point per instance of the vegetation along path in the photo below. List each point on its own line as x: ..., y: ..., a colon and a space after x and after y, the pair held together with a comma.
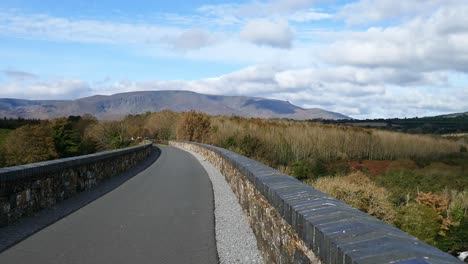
x: 162, y: 215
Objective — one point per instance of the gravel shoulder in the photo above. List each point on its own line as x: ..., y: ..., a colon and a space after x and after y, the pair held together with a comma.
x: 235, y: 240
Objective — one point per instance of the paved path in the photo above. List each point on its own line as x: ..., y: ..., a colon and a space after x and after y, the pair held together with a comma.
x: 162, y: 215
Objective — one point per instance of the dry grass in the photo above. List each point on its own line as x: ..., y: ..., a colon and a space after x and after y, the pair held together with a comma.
x: 359, y: 191
x: 291, y: 140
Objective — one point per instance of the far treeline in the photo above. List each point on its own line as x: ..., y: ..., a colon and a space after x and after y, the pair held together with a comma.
x: 424, y: 125
x: 416, y: 182
x: 25, y: 141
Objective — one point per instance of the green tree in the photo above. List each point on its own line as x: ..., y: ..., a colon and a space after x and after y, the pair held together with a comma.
x: 67, y: 139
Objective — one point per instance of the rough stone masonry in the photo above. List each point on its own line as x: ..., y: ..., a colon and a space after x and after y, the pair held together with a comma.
x: 294, y: 223
x: 277, y: 241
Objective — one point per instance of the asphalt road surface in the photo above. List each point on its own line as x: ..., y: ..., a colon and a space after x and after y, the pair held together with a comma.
x: 165, y: 214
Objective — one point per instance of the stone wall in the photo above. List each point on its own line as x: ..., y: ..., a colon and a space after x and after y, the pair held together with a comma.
x: 295, y: 223
x: 29, y: 188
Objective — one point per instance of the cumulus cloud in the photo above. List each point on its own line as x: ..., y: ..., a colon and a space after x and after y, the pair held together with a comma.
x: 349, y: 90
x: 45, y: 89
x: 402, y: 67
x: 265, y: 32
x: 193, y: 39
x: 436, y: 42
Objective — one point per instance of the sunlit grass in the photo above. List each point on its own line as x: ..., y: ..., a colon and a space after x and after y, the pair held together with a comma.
x: 3, y: 134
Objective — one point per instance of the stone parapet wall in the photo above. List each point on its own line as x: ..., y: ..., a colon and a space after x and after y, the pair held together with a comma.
x: 295, y: 223
x: 29, y: 188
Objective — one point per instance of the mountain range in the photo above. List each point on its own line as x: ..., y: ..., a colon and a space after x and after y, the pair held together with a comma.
x: 119, y: 105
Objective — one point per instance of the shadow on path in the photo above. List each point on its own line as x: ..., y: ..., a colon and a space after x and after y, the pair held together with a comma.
x: 18, y: 231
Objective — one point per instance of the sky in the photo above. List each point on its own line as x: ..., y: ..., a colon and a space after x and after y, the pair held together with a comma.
x: 364, y: 58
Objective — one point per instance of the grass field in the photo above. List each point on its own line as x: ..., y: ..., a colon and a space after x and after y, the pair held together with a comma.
x: 3, y: 134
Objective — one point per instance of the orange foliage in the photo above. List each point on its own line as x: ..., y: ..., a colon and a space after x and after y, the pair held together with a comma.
x: 439, y: 204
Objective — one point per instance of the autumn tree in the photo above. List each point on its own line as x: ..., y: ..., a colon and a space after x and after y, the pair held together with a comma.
x: 110, y: 135
x: 194, y: 126
x: 136, y: 125
x: 29, y: 144
x: 162, y: 125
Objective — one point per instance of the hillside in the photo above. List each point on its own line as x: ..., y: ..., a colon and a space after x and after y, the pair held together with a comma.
x: 465, y: 114
x: 442, y: 124
x: 119, y: 105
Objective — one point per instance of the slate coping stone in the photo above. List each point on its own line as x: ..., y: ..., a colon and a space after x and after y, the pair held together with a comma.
x: 335, y: 231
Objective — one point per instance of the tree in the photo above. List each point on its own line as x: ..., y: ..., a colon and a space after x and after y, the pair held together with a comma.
x: 29, y: 144
x: 194, y: 126
x: 67, y: 139
x: 110, y: 135
x: 162, y: 125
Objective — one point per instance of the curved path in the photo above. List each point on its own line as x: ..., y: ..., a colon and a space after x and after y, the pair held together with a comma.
x: 164, y: 214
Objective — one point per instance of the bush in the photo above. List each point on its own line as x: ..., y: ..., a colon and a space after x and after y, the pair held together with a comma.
x: 458, y: 206
x: 456, y: 239
x: 301, y: 170
x: 338, y: 168
x: 319, y: 168
x: 463, y: 149
x: 229, y: 143
x: 249, y: 146
x: 419, y: 221
x: 359, y: 191
x: 194, y: 126
x: 433, y: 178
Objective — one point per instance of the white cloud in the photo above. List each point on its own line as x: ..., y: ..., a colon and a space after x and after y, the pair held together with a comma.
x: 265, y: 32
x: 46, y: 27
x: 308, y: 15
x: 45, y: 89
x: 402, y: 67
x: 426, y: 43
x: 369, y: 11
x: 348, y: 90
x: 193, y: 39
x: 293, y: 10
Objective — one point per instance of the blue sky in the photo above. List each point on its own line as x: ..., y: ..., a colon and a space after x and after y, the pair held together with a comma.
x: 364, y: 58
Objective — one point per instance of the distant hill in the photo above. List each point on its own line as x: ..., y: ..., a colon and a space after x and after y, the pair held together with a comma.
x: 441, y: 124
x: 454, y: 115
x: 118, y: 105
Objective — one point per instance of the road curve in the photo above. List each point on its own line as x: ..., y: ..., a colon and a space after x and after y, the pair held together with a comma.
x: 164, y: 214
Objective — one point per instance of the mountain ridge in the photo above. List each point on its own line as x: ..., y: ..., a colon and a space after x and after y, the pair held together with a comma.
x: 121, y: 104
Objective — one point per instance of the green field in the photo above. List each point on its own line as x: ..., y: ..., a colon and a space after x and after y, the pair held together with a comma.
x: 3, y: 134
